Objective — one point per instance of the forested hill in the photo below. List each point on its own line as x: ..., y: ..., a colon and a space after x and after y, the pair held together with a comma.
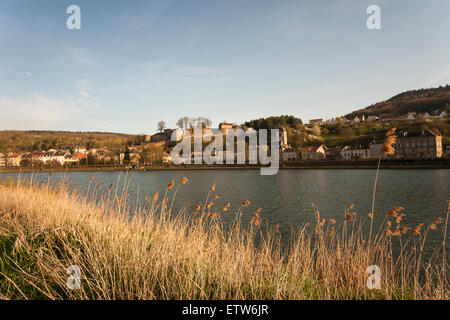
x: 44, y: 140
x: 431, y: 100
x: 274, y: 122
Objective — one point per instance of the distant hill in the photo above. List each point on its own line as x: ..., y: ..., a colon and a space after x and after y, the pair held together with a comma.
x: 423, y: 100
x: 14, y: 140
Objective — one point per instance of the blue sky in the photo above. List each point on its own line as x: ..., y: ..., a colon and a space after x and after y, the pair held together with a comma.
x: 134, y: 63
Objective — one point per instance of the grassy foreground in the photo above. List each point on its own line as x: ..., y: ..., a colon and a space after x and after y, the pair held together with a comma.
x: 150, y: 252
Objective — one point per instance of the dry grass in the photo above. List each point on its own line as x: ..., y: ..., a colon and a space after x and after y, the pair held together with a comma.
x: 150, y: 252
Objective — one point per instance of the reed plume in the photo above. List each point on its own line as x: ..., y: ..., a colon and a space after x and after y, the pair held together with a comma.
x: 386, y: 149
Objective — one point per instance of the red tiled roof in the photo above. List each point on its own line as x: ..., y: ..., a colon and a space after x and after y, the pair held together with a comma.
x: 78, y: 156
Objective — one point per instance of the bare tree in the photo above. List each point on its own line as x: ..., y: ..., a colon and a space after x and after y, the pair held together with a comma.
x: 203, y: 122
x: 180, y: 123
x: 199, y: 122
x: 161, y: 126
x: 187, y: 122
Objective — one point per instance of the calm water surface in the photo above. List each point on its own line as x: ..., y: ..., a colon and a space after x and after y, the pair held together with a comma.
x: 287, y: 198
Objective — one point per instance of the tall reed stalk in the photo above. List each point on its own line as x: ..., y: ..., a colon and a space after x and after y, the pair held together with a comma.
x: 386, y: 149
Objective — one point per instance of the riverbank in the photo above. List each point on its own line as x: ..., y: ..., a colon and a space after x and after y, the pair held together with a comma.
x: 321, y: 164
x: 160, y: 254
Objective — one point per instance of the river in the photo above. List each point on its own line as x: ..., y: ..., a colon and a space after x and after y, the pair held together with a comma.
x: 287, y: 198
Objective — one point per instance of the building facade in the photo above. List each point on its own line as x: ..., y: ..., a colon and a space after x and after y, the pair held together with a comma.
x: 2, y: 160
x: 446, y: 151
x: 332, y: 153
x: 289, y: 154
x: 315, y: 121
x: 354, y: 153
x: 13, y: 159
x: 424, y: 144
x: 313, y: 153
x: 224, y: 126
x: 283, y: 138
x: 375, y: 149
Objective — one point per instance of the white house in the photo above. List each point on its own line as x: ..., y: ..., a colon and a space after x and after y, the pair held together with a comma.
x: 426, y: 115
x: 60, y: 156
x: 354, y: 153
x: 47, y: 156
x: 411, y: 116
x: 43, y: 156
x: 79, y: 149
x: 443, y: 115
x: 13, y: 159
x: 70, y: 159
x: 313, y: 152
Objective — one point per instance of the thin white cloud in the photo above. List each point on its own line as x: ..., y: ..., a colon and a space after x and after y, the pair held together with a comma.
x: 83, y: 84
x: 85, y: 93
x: 82, y: 56
x: 163, y: 75
x: 38, y: 112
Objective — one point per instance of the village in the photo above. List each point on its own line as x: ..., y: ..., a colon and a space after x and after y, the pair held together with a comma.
x: 155, y: 149
x: 414, y: 145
